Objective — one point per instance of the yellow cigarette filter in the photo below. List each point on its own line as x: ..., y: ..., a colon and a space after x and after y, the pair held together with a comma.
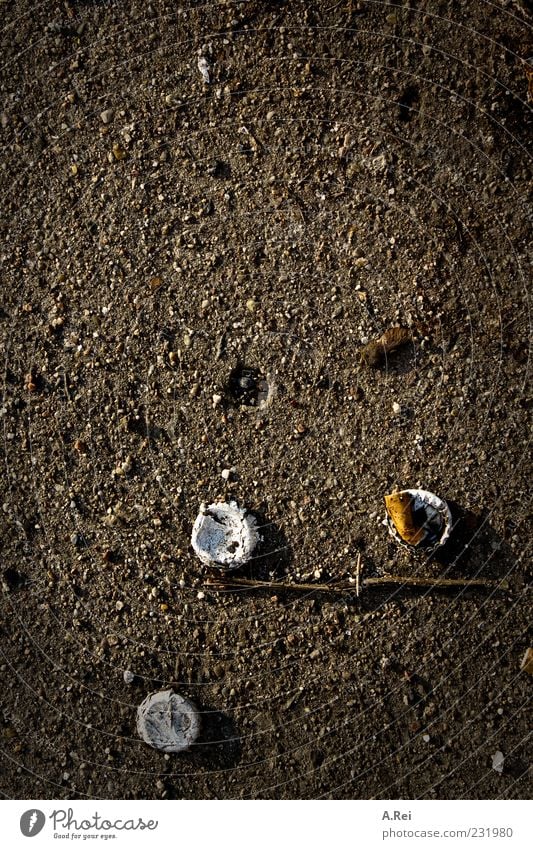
x: 400, y: 509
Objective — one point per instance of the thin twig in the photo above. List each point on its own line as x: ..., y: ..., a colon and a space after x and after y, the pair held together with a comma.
x: 435, y: 582
x: 65, y: 382
x: 227, y: 583
x: 230, y: 583
x: 358, y: 574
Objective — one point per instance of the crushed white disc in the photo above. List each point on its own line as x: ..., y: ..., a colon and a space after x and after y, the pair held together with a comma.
x: 167, y: 721
x: 437, y: 522
x: 224, y: 535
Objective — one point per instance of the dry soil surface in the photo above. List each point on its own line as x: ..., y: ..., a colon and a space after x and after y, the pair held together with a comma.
x: 347, y: 167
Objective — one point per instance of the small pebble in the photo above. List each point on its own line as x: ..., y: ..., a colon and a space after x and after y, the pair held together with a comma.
x: 106, y: 116
x: 200, y: 596
x: 426, y: 738
x: 128, y: 676
x: 203, y: 67
x: 118, y: 152
x: 226, y: 474
x: 396, y: 408
x: 497, y: 761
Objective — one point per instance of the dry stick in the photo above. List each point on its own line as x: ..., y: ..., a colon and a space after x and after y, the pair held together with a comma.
x: 358, y: 574
x: 226, y: 583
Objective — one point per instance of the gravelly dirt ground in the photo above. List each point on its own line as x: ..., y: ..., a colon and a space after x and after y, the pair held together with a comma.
x: 349, y: 167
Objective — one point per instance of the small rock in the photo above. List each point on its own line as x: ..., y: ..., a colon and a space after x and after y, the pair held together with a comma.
x: 119, y: 152
x: 226, y: 474
x: 216, y: 400
x: 426, y: 738
x: 200, y: 596
x: 497, y: 761
x: 107, y: 116
x: 128, y: 676
x: 396, y: 408
x: 203, y: 67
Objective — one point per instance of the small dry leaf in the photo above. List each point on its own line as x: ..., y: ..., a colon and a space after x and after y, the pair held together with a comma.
x: 155, y: 283
x: 394, y: 338
x: 374, y: 353
x: 400, y: 508
x: 527, y: 662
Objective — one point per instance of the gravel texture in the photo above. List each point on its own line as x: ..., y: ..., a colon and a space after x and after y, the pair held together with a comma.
x: 349, y: 168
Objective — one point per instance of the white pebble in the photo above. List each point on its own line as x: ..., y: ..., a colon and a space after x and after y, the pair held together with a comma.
x: 426, y: 738
x: 396, y: 408
x: 129, y: 677
x: 226, y: 474
x: 497, y: 761
x: 203, y: 67
x: 200, y: 596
